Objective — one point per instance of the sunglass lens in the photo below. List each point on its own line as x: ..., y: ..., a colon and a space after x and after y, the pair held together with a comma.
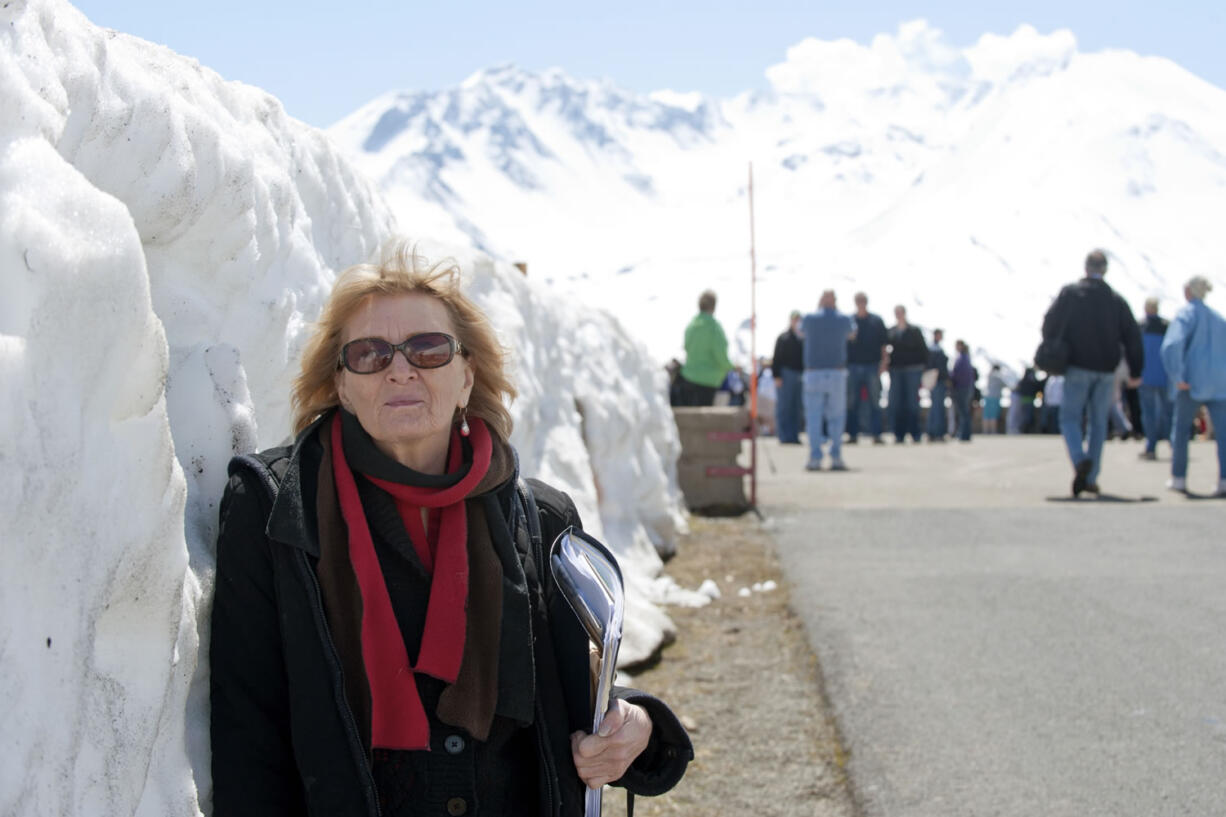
x: 430, y: 351
x: 368, y: 355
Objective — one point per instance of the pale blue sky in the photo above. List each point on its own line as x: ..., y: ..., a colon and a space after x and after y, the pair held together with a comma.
x: 323, y: 60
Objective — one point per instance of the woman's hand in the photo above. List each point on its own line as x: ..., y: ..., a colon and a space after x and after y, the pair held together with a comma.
x: 605, y: 756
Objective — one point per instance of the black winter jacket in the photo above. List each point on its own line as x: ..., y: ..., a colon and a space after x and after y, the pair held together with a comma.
x: 284, y: 739
x: 1095, y: 322
x: 789, y: 353
x: 907, y: 347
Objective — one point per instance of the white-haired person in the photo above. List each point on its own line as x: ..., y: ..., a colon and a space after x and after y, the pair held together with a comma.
x: 1194, y: 355
x: 387, y: 637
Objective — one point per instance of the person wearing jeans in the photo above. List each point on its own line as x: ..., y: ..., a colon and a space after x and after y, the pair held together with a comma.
x: 963, y: 380
x: 937, y: 359
x: 1186, y: 408
x: 863, y: 378
x: 1194, y: 356
x: 1154, y: 393
x: 826, y: 333
x: 866, y: 360
x: 788, y: 365
x: 1092, y: 325
x: 1088, y: 395
x: 904, y: 401
x: 908, y: 356
x: 825, y: 414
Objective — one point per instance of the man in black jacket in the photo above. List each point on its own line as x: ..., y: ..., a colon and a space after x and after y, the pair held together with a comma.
x: 908, y: 356
x: 788, y: 365
x: 1096, y: 323
x: 866, y: 360
x: 938, y: 360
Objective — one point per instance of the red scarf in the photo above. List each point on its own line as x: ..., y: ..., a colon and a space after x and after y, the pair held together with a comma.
x: 398, y: 719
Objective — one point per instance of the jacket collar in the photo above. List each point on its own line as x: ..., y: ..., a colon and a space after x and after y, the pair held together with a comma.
x: 289, y: 521
x: 292, y: 518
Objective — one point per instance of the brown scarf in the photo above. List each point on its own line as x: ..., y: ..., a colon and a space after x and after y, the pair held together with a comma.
x: 471, y: 698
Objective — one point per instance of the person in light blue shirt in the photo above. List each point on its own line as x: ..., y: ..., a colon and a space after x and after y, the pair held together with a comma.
x: 1194, y: 356
x: 826, y: 333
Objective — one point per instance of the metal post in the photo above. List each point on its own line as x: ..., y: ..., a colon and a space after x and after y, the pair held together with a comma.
x: 753, y: 355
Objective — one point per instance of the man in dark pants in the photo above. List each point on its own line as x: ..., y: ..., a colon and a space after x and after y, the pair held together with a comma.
x: 908, y: 356
x: 937, y: 359
x: 1155, y: 391
x: 1095, y: 323
x: 962, y: 380
x: 866, y: 360
x: 788, y: 365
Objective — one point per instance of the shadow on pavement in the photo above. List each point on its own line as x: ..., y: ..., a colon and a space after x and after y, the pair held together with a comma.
x: 1102, y: 498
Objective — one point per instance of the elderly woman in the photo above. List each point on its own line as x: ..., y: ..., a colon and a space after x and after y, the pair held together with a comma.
x: 1194, y: 356
x: 387, y: 636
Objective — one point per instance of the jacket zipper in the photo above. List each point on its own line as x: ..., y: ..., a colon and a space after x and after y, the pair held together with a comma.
x: 334, y: 664
x: 547, y: 766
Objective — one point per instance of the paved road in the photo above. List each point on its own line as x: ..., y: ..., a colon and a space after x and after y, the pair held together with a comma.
x: 990, y: 648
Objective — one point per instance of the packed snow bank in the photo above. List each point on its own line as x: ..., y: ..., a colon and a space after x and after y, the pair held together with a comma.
x: 166, y: 238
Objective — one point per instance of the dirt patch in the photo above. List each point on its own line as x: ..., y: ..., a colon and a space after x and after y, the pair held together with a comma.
x: 743, y: 679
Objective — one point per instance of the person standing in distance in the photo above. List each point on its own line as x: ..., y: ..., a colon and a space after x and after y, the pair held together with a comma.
x: 908, y: 356
x: 1155, y: 390
x: 1095, y: 323
x: 788, y: 365
x: 938, y: 360
x: 826, y: 333
x: 866, y: 360
x: 963, y: 381
x: 706, y: 355
x: 1194, y: 356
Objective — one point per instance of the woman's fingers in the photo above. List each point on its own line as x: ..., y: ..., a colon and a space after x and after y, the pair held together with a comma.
x: 605, y: 756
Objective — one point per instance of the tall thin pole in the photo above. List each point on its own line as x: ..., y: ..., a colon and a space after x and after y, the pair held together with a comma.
x: 753, y: 354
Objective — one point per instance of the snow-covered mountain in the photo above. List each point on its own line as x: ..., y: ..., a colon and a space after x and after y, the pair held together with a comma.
x: 965, y: 183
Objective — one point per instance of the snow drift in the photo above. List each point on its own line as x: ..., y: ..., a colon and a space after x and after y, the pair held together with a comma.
x: 166, y: 237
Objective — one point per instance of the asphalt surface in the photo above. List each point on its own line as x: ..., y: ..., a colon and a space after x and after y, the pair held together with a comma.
x: 990, y: 647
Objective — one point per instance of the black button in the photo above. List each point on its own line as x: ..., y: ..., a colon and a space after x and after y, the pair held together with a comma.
x: 454, y: 744
x: 457, y: 806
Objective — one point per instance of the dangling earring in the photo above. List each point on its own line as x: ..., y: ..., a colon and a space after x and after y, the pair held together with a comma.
x: 464, y: 430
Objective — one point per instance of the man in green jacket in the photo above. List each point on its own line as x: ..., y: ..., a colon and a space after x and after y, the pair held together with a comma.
x: 706, y: 355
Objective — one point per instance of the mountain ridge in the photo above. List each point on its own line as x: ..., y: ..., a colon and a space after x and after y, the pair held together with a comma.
x: 906, y: 167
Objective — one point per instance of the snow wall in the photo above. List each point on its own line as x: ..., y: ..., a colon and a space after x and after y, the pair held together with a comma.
x: 166, y: 238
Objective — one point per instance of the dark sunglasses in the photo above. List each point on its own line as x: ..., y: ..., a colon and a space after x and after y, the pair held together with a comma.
x: 429, y: 350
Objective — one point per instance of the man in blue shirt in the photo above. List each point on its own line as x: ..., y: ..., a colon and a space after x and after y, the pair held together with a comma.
x: 826, y: 333
x: 1154, y: 391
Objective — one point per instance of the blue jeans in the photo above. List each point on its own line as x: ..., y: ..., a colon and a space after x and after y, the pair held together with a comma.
x: 1185, y: 413
x: 1027, y: 408
x: 938, y: 424
x: 1156, y: 408
x: 1049, y: 419
x: 787, y: 411
x: 904, y: 402
x: 825, y: 399
x: 863, y: 375
x: 1090, y: 394
x: 962, y: 410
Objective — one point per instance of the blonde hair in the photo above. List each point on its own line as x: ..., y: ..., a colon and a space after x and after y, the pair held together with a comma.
x: 401, y: 271
x: 1198, y: 286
